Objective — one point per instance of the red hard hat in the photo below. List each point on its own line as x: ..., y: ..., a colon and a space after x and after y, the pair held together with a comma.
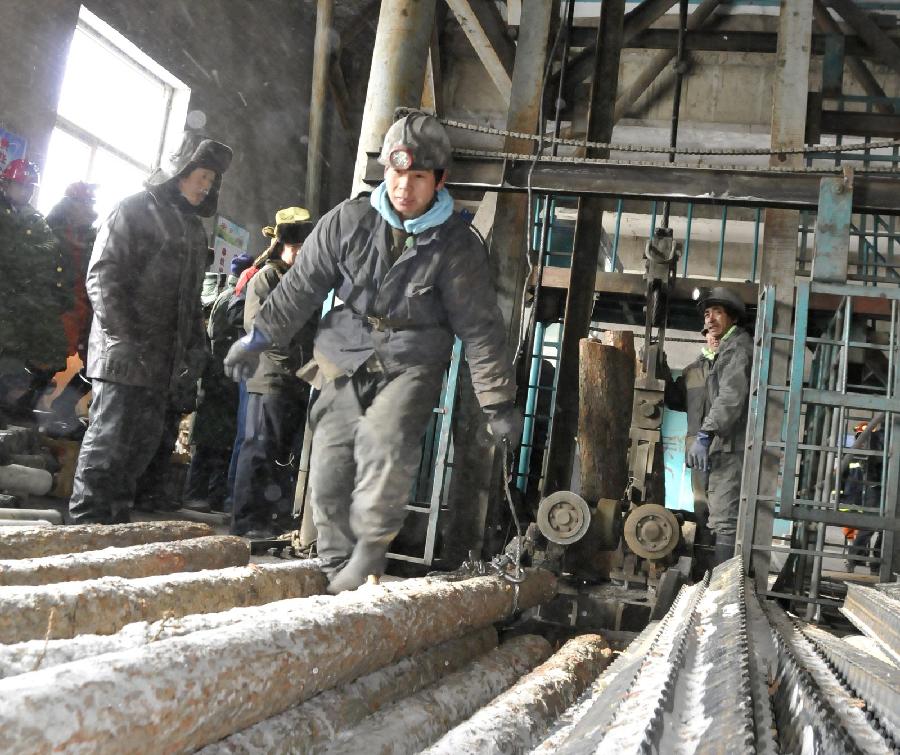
x: 21, y: 172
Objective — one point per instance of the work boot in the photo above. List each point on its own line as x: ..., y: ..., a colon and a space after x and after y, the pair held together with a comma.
x: 724, y: 550
x: 367, y: 558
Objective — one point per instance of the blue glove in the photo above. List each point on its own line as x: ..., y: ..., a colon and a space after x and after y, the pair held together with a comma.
x: 698, y: 455
x: 506, y: 421
x: 243, y: 356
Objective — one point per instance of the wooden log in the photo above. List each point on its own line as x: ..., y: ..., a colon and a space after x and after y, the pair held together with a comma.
x: 104, y: 606
x: 186, y: 692
x: 606, y: 390
x: 48, y: 515
x: 21, y: 480
x: 413, y: 723
x: 516, y: 720
x: 314, y: 724
x: 31, y: 655
x: 91, y: 537
x: 14, y: 525
x: 135, y: 561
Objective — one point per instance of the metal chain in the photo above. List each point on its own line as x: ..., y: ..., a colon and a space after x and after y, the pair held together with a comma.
x: 806, y: 150
x: 650, y: 164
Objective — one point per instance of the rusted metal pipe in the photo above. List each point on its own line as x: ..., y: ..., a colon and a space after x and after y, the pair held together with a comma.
x: 103, y: 606
x: 130, y: 562
x: 317, y: 722
x: 185, y: 692
x: 90, y: 537
x: 515, y: 721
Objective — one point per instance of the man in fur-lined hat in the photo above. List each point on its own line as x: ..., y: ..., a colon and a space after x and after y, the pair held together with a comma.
x: 147, y: 343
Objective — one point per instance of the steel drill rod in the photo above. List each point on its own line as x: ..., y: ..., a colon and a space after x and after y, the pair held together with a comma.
x: 312, y: 726
x: 90, y: 537
x: 515, y: 721
x: 186, y: 692
x: 104, y: 606
x: 411, y: 724
x: 130, y: 562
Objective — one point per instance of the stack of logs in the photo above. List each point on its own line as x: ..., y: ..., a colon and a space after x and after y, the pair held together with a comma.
x: 26, y: 468
x: 161, y: 637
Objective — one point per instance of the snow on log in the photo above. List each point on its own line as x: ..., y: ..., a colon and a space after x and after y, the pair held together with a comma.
x: 318, y: 721
x: 186, y: 692
x: 416, y: 721
x: 134, y: 561
x: 516, y: 720
x: 104, y: 606
x: 91, y: 537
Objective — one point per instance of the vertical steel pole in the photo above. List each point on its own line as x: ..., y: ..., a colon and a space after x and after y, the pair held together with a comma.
x: 318, y: 106
x: 397, y: 75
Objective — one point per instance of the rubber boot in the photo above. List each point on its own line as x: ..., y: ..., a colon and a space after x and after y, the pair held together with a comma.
x: 368, y: 558
x: 724, y: 550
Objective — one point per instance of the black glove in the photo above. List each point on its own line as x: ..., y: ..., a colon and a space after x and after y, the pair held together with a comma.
x: 506, y: 421
x: 242, y: 358
x: 698, y: 455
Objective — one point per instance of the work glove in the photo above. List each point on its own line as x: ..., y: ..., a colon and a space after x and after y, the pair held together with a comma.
x: 242, y: 358
x: 698, y: 455
x: 506, y: 421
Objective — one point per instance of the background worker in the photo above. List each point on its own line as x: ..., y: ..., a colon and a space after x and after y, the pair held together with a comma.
x: 688, y: 393
x: 410, y: 274
x: 276, y: 398
x: 147, y: 344
x: 719, y: 444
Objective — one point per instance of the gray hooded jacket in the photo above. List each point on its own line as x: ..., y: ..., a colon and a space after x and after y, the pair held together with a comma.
x: 145, y: 276
x: 439, y: 286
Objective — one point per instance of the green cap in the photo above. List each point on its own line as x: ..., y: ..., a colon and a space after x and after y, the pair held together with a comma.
x: 416, y: 142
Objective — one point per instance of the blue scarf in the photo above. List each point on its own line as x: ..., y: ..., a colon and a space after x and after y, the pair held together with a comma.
x: 437, y: 214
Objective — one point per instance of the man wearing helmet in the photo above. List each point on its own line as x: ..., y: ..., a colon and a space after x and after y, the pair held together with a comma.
x: 32, y: 294
x: 718, y: 447
x: 410, y: 274
x: 147, y: 345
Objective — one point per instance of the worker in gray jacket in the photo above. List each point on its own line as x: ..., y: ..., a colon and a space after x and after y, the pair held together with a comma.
x: 687, y: 393
x: 719, y: 445
x: 410, y: 274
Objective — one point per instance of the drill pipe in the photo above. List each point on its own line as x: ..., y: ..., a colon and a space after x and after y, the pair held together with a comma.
x: 186, y: 692
x: 103, y: 606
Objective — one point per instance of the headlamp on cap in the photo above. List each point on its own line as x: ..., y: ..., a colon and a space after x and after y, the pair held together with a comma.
x: 400, y: 158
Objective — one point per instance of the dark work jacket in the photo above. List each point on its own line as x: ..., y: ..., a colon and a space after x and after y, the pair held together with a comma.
x: 728, y: 387
x: 144, y: 282
x: 440, y: 286
x: 688, y: 393
x: 277, y: 366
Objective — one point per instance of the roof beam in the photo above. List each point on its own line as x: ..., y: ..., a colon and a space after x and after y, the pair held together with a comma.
x: 482, y: 24
x: 884, y: 48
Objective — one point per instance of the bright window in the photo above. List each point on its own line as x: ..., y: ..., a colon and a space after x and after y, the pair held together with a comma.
x: 119, y: 113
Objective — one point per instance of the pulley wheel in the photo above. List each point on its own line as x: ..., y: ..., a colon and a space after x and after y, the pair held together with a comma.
x: 651, y: 531
x: 563, y: 517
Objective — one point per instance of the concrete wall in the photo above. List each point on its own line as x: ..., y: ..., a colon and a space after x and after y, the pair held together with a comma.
x: 249, y: 67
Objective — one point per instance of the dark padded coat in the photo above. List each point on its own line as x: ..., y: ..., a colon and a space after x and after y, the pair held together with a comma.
x: 728, y: 386
x: 688, y: 393
x: 277, y: 366
x: 439, y: 286
x: 145, y: 277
